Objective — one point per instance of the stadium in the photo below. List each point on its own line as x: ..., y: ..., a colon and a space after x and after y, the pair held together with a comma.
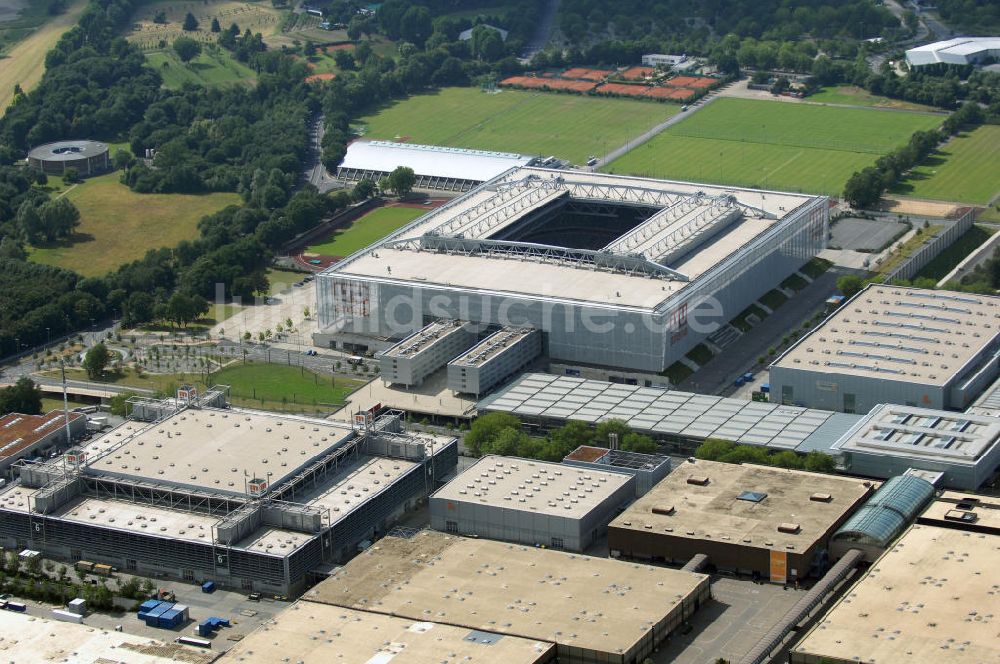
x: 87, y: 157
x: 617, y: 272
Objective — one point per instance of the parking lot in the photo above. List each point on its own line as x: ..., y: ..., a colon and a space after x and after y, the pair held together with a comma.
x: 245, y: 615
x: 864, y: 234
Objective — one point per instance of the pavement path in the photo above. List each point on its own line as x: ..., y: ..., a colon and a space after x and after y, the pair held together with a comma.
x: 315, y: 172
x: 718, y: 375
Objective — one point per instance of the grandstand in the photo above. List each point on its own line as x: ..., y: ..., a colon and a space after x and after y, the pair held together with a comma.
x: 441, y: 168
x: 656, y: 262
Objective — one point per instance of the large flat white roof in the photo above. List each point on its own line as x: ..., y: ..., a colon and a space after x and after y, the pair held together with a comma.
x: 535, y: 487
x: 319, y: 633
x: 900, y: 333
x: 953, y: 51
x: 699, y: 227
x: 32, y: 638
x: 932, y: 597
x: 577, y: 601
x: 430, y: 160
x: 214, y: 449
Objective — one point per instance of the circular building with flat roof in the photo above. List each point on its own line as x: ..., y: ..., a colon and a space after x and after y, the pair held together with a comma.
x: 87, y: 157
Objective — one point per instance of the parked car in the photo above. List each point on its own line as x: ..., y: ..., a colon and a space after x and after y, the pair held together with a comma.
x: 254, y: 597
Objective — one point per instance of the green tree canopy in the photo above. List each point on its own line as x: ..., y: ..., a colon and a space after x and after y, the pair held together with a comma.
x: 96, y: 361
x: 487, y: 428
x: 190, y: 23
x: 187, y: 49
x: 401, y: 180
x: 22, y: 397
x: 850, y: 284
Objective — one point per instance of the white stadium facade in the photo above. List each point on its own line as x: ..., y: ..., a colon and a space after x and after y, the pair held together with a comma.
x: 617, y: 272
x: 958, y: 51
x: 441, y: 168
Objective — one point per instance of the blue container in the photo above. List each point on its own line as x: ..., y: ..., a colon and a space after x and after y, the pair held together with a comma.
x: 739, y: 381
x: 748, y: 376
x: 170, y: 619
x: 159, y: 610
x: 766, y: 388
x: 208, y: 587
x: 206, y: 627
x: 149, y: 605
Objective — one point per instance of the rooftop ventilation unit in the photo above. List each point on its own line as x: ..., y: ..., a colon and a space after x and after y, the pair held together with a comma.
x: 821, y: 497
x: 699, y: 480
x: 789, y: 528
x: 664, y: 511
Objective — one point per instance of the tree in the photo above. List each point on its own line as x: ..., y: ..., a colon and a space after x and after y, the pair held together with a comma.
x: 416, y: 26
x: 160, y: 17
x: 487, y: 428
x: 71, y: 175
x: 96, y: 361
x: 603, y: 431
x: 215, y: 25
x: 401, y: 180
x: 34, y: 565
x: 123, y: 159
x: 22, y: 397
x: 58, y: 217
x: 344, y: 60
x: 864, y: 188
x: 850, y: 284
x: 190, y: 23
x: 363, y: 190
x: 186, y: 48
x: 116, y: 405
x: 637, y: 442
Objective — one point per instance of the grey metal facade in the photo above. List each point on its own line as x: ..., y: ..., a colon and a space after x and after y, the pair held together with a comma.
x: 470, y: 374
x: 582, y: 331
x: 537, y: 529
x: 424, y: 352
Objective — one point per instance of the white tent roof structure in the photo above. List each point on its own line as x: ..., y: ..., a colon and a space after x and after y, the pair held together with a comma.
x: 430, y: 160
x: 958, y: 51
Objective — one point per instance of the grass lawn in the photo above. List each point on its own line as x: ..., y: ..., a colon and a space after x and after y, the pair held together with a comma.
x: 741, y: 323
x: 282, y: 280
x: 212, y: 68
x: 795, y: 282
x: 815, y: 268
x: 965, y: 169
x: 373, y: 226
x: 267, y: 386
x: 568, y: 126
x: 24, y: 62
x: 700, y: 355
x: 254, y: 16
x: 990, y: 214
x: 677, y: 373
x: 908, y: 249
x: 775, y: 145
x: 57, y: 404
x: 946, y: 261
x: 272, y: 383
x: 773, y: 299
x: 855, y: 96
x: 118, y: 225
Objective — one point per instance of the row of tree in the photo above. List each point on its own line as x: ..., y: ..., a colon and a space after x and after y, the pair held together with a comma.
x: 865, y: 187
x: 503, y: 434
x: 715, y: 449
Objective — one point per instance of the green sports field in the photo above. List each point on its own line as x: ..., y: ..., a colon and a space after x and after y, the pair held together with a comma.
x: 774, y: 145
x: 966, y: 169
x: 373, y: 226
x: 541, y: 123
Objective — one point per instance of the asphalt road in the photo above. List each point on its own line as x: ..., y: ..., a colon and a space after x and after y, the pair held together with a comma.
x: 315, y: 172
x: 718, y: 375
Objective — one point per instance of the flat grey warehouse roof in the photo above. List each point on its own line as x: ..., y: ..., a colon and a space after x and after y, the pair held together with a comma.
x: 539, y: 487
x: 900, y: 333
x: 718, y: 511
x: 577, y: 601
x: 661, y: 411
x: 213, y: 449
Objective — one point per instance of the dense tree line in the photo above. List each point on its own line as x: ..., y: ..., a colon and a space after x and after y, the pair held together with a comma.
x: 583, y: 21
x: 715, y: 449
x: 501, y: 433
x: 973, y: 16
x: 865, y: 187
x: 251, y: 141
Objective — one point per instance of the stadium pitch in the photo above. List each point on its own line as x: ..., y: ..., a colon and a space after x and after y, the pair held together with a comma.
x: 772, y: 145
x: 567, y: 126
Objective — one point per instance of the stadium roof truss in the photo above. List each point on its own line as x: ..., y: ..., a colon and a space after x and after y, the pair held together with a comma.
x: 682, y: 222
